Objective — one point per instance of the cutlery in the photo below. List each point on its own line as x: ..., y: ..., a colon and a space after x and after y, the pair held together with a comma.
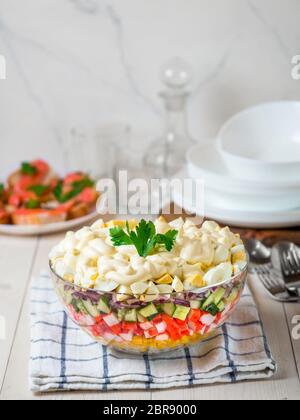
x: 290, y: 264
x: 258, y: 252
x: 275, y: 286
x: 269, y: 275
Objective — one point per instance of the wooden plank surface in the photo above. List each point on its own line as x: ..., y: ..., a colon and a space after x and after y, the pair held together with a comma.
x: 16, y: 259
x: 30, y: 256
x: 16, y: 380
x: 284, y: 386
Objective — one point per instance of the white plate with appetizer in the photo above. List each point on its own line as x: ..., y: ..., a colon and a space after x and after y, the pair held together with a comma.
x: 34, y: 200
x: 48, y: 229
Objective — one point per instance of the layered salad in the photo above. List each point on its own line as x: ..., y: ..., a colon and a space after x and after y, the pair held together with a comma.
x: 143, y: 286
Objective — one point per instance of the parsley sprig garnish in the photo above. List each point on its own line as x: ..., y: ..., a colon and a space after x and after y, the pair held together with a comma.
x: 2, y: 189
x: 77, y: 188
x: 32, y: 204
x: 145, y: 238
x: 28, y: 169
x: 39, y: 190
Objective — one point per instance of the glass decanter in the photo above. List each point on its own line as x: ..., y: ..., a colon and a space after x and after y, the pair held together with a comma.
x: 166, y: 155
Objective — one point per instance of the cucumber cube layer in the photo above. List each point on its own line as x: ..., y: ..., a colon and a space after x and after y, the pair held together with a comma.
x: 168, y: 308
x: 103, y: 306
x: 181, y: 312
x: 131, y: 315
x: 148, y: 311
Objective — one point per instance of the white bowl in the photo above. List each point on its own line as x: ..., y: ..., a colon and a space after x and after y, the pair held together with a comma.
x: 252, y: 219
x: 223, y: 190
x: 263, y: 143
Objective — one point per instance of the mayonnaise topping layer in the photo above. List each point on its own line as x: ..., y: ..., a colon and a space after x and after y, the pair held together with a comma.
x: 201, y: 257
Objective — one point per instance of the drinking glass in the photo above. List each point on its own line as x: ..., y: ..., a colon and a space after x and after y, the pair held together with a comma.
x: 95, y: 150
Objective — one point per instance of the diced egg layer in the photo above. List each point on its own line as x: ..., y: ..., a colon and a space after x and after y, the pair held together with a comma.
x: 201, y: 257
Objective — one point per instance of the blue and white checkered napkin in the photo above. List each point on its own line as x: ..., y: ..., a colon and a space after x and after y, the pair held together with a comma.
x: 65, y: 358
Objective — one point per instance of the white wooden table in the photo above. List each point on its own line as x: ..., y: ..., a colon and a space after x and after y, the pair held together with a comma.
x: 21, y: 259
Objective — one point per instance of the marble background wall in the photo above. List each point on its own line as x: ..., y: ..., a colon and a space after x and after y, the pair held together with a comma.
x: 92, y: 62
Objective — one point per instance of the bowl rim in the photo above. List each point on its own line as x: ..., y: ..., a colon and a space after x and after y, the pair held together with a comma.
x: 244, y: 159
x: 231, y: 182
x: 244, y: 271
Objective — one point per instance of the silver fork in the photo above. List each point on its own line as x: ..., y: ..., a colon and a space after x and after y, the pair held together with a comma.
x: 290, y: 264
x: 275, y: 285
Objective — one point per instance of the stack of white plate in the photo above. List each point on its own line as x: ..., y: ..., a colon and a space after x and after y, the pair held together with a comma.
x: 251, y: 173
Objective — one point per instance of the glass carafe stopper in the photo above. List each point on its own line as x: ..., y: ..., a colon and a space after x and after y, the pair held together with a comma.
x: 176, y: 74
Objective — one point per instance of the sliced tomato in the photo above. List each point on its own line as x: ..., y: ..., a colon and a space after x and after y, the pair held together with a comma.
x: 193, y: 326
x: 74, y: 177
x: 183, y: 327
x: 180, y: 322
x: 219, y: 317
x: 116, y: 329
x: 26, y: 181
x: 195, y: 315
x: 173, y: 328
x: 97, y: 330
x: 67, y: 206
x: 98, y: 319
x: 41, y: 166
x: 88, y: 195
x: 17, y: 199
x: 129, y: 326
x: 157, y: 320
x: 138, y: 332
x: 196, y: 326
x: 184, y: 331
x: 151, y: 333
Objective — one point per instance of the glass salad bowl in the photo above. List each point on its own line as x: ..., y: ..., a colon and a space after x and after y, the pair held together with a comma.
x: 169, y: 322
